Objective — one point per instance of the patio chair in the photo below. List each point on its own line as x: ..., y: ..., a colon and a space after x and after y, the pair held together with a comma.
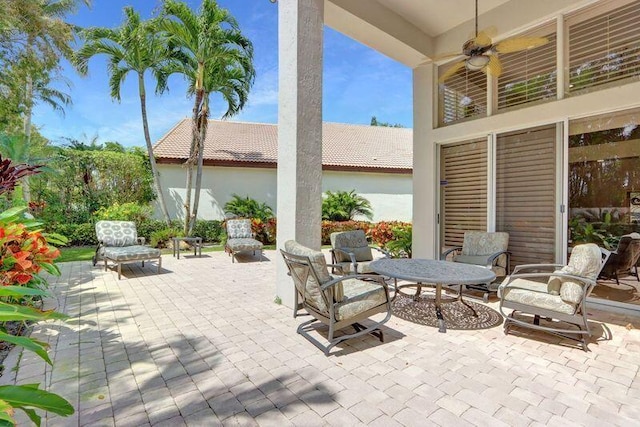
x: 351, y: 251
x: 561, y: 294
x: 119, y: 243
x: 624, y: 259
x: 336, y: 301
x: 487, y: 250
x: 240, y: 238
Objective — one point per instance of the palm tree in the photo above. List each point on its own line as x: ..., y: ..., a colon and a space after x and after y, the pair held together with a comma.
x: 38, y: 39
x: 137, y: 47
x: 216, y: 57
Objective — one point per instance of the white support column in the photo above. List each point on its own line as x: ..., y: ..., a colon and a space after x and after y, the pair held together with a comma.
x: 300, y: 33
x: 425, y: 180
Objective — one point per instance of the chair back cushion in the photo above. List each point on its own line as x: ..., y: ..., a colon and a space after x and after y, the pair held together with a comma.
x: 585, y: 261
x: 312, y: 292
x: 239, y: 229
x: 483, y: 243
x: 351, y: 241
x: 117, y: 233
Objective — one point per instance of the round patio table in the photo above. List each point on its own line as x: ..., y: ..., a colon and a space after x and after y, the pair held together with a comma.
x: 429, y: 272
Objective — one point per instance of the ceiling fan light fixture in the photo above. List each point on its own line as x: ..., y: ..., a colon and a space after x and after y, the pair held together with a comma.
x: 476, y: 63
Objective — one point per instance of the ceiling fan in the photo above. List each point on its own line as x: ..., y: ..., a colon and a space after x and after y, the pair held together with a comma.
x: 482, y: 54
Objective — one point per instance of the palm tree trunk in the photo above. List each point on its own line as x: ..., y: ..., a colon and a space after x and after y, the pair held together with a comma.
x: 26, y: 193
x: 152, y: 159
x: 203, y: 133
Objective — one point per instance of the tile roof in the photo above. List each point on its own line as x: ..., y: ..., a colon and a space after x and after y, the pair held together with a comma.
x: 345, y: 146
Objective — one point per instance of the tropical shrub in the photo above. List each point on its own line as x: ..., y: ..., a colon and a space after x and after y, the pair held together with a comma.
x: 160, y: 238
x: 382, y: 232
x: 24, y: 253
x: 209, y: 230
x: 77, y: 234
x: 400, y: 245
x: 246, y: 207
x: 329, y: 227
x: 265, y: 231
x: 130, y: 211
x: 344, y: 206
x: 83, y: 181
x: 147, y: 227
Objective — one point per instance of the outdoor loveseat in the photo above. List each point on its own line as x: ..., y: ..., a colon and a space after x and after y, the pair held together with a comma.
x: 119, y: 243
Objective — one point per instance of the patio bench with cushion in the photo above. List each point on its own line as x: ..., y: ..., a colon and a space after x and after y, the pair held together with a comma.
x: 119, y: 243
x: 240, y: 238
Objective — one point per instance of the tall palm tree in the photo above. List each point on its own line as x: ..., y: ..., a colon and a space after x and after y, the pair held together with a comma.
x: 136, y: 47
x: 39, y: 39
x: 216, y: 57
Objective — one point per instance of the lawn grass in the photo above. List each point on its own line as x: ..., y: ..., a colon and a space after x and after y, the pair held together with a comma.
x: 85, y: 253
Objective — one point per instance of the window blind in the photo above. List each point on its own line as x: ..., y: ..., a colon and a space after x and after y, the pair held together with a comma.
x: 604, y: 46
x: 529, y: 75
x: 462, y: 96
x: 525, y: 193
x: 463, y: 175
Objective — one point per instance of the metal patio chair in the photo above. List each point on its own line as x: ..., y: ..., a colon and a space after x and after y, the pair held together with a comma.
x: 335, y: 301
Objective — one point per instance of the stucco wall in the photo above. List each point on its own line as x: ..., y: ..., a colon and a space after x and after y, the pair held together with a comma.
x: 390, y: 194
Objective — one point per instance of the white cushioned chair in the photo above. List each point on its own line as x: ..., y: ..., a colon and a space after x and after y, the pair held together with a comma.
x: 554, y: 291
x: 351, y: 251
x: 240, y: 238
x: 336, y: 301
x: 119, y: 243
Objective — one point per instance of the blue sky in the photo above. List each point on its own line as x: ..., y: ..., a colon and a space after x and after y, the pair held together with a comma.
x: 358, y: 82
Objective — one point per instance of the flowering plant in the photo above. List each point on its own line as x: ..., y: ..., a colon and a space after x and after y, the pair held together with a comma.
x: 24, y: 253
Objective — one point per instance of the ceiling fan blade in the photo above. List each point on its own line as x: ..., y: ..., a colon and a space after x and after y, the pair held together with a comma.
x: 482, y: 39
x: 520, y: 43
x: 494, y: 67
x: 446, y: 55
x: 451, y: 71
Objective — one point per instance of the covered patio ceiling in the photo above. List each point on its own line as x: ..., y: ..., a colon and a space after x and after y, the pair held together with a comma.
x: 415, y: 31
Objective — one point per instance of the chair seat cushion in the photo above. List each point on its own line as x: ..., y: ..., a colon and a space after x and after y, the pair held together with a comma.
x: 362, y: 267
x: 535, y: 294
x: 244, y: 244
x: 131, y: 253
x: 358, y: 297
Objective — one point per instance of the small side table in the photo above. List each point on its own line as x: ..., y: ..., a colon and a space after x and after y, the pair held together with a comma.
x: 196, y: 242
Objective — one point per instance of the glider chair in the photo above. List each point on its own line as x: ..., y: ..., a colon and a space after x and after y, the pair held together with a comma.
x: 335, y: 301
x: 624, y: 259
x: 553, y: 291
x: 351, y: 251
x: 240, y: 238
x: 119, y: 243
x: 485, y: 249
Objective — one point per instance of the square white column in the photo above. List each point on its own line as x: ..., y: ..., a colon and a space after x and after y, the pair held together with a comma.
x: 425, y: 168
x: 300, y: 32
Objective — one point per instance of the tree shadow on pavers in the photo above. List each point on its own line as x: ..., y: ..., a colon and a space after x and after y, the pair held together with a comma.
x: 600, y: 333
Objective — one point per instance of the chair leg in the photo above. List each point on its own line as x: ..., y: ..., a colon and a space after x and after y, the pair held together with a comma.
x: 119, y: 270
x: 159, y: 264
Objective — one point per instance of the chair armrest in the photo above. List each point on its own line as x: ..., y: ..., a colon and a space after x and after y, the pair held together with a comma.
x: 491, y: 259
x: 142, y: 240
x: 445, y: 254
x: 523, y: 267
x: 382, y: 251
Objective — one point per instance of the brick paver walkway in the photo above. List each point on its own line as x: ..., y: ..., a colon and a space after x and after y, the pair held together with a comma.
x: 204, y: 344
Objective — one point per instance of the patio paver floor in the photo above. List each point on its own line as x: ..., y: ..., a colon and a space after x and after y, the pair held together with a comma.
x: 203, y: 343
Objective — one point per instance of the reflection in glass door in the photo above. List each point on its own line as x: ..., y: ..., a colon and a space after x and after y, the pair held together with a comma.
x: 604, y: 193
